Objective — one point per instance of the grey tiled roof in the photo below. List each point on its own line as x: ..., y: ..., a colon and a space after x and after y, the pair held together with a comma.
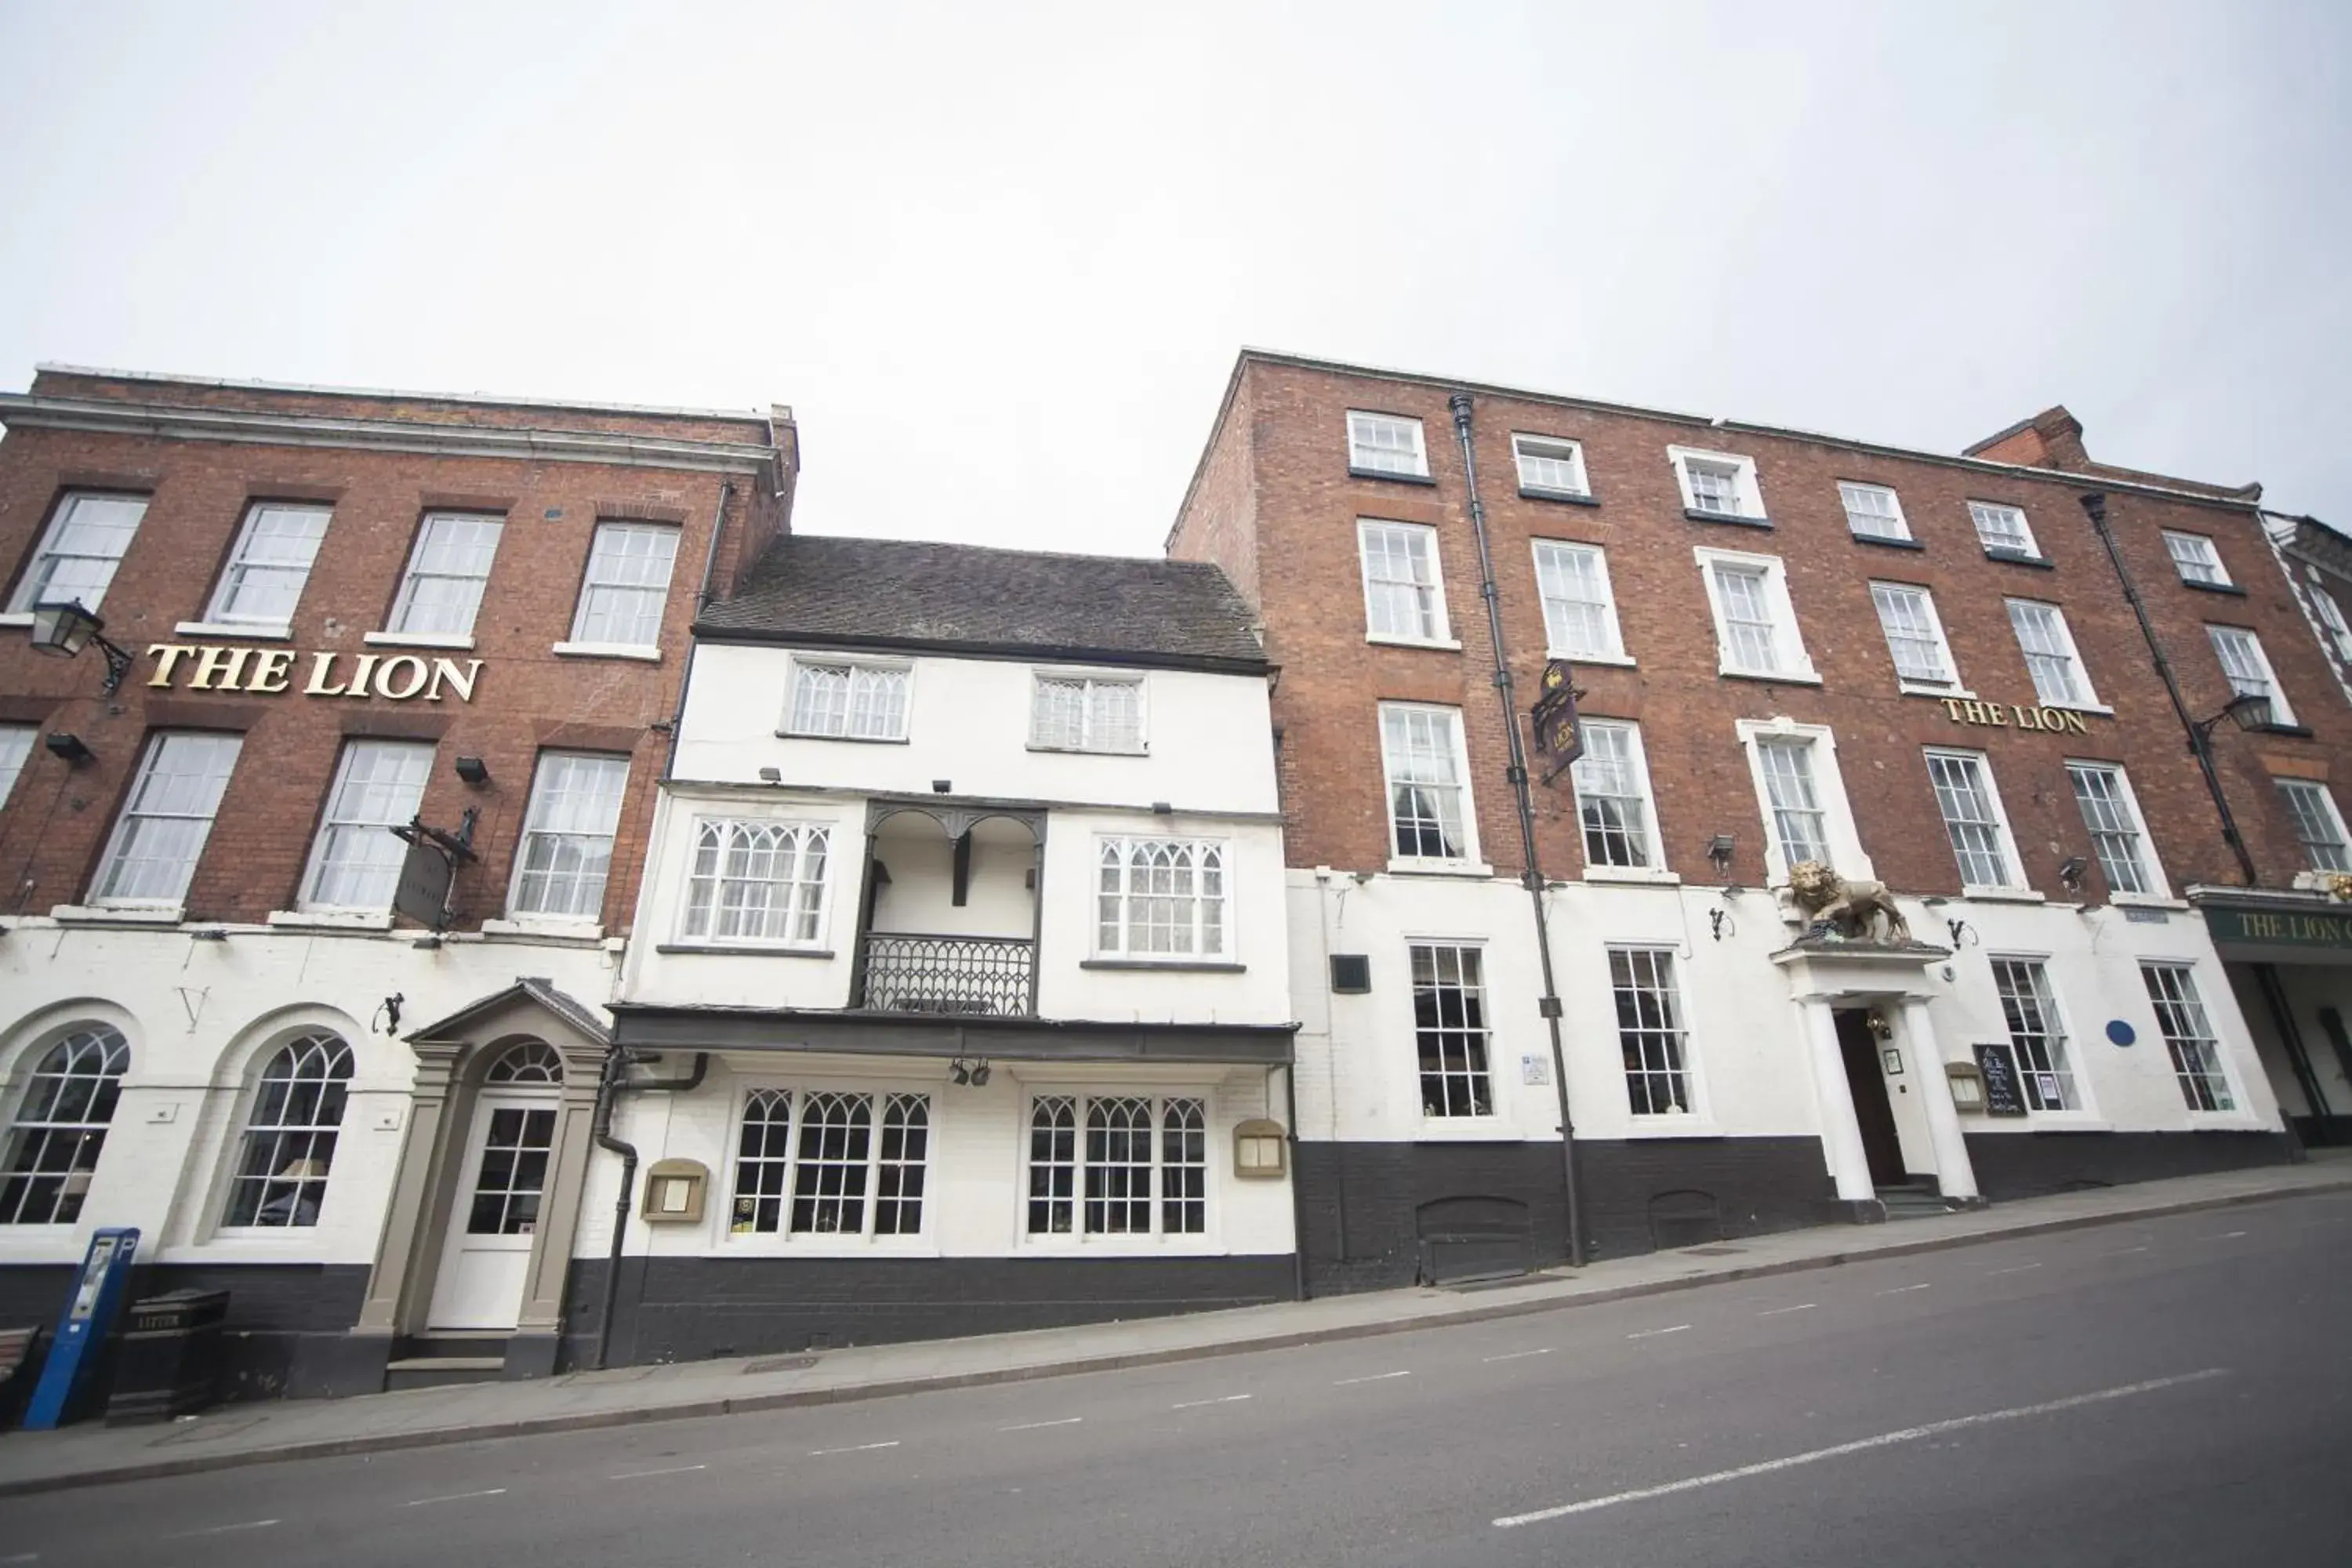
x: 888, y: 593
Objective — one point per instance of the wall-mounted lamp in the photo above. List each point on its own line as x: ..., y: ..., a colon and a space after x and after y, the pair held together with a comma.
x: 1717, y: 919
x: 1960, y: 928
x: 1880, y: 1027
x: 63, y: 630
x: 474, y: 771
x: 772, y: 775
x: 1718, y: 853
x: 69, y: 747
x: 2071, y: 871
x: 390, y: 1012
x: 2247, y: 709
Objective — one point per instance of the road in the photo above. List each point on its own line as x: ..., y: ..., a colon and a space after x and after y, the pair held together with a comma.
x: 2178, y: 1391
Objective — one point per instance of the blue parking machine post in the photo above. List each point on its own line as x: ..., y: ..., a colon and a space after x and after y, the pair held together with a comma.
x: 69, y: 1375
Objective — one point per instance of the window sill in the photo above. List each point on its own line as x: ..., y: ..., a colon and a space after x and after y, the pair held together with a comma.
x: 2305, y: 731
x: 742, y: 950
x: 273, y: 632
x: 1088, y: 751
x: 1634, y: 875
x: 1356, y: 473
x: 757, y: 1243
x: 2230, y: 588
x: 1187, y: 966
x: 17, y: 618
x: 1572, y: 498
x: 2017, y: 558
x: 1886, y: 542
x: 2147, y: 901
x: 1067, y: 1245
x: 1778, y: 678
x: 606, y: 650
x: 1734, y: 518
x: 2226, y: 1121
x: 419, y: 640
x: 1622, y: 661
x: 1443, y: 644
x: 1670, y: 1126
x: 112, y: 915
x: 1399, y: 867
x: 2003, y: 895
x: 1919, y: 689
x: 853, y: 740
x: 584, y: 932
x: 1469, y: 1129
x: 332, y: 919
x: 2064, y: 1121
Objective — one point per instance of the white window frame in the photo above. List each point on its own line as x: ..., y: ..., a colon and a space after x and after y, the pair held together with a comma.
x: 1847, y: 857
x: 2290, y: 791
x: 330, y: 826
x: 1683, y: 1103
x: 2012, y: 865
x: 1917, y: 685
x: 1079, y: 1237
x: 2066, y: 1065
x: 140, y: 810
x: 534, y: 826
x: 398, y: 626
x: 327, y: 1049
x: 54, y: 1134
x: 580, y: 642
x: 16, y: 751
x: 1746, y: 491
x: 1486, y: 1076
x: 2205, y: 1041
x: 36, y: 586
x: 1208, y: 928
x: 2151, y: 865
x: 2089, y: 701
x: 805, y: 901
x: 1548, y: 567
x: 1569, y: 455
x: 1090, y: 743
x: 2331, y: 617
x: 851, y: 669
x: 1637, y: 766
x: 1470, y: 858
x: 1899, y: 526
x: 2282, y: 711
x: 881, y: 1099
x: 1441, y: 632
x: 2197, y: 551
x: 1787, y: 637
x: 220, y: 608
x: 1417, y: 460
x: 1977, y: 510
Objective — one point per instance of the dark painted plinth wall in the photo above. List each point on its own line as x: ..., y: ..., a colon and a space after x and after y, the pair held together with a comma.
x: 288, y: 1326
x: 2035, y: 1165
x: 690, y: 1308
x: 1365, y: 1206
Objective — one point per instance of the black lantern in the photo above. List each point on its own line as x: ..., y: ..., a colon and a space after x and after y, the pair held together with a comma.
x: 63, y: 630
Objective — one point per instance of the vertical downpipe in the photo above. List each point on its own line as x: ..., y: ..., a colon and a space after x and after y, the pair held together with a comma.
x: 1532, y: 877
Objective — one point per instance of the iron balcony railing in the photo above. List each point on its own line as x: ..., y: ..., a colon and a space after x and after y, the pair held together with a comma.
x: 914, y: 974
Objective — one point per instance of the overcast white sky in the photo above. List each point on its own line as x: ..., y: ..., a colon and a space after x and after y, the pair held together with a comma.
x: 999, y: 256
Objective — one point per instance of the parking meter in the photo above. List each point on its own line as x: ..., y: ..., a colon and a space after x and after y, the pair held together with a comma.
x: 68, y: 1376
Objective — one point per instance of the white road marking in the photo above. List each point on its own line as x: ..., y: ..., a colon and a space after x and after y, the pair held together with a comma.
x: 2226, y: 1235
x: 2121, y: 1251
x: 1901, y: 1290
x: 2019, y: 1268
x: 454, y: 1497
x: 1033, y: 1426
x: 1799, y: 1307
x: 1196, y: 1404
x: 854, y: 1449
x: 1375, y: 1377
x: 1884, y: 1440
x: 1515, y: 1355
x: 641, y: 1475
x: 216, y: 1530
x: 1654, y: 1334
x: 22, y: 1557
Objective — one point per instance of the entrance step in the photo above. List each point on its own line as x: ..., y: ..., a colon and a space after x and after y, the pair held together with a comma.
x: 1913, y: 1200
x: 440, y: 1371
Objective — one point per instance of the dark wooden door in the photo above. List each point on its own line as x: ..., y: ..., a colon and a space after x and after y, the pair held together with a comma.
x: 1867, y: 1081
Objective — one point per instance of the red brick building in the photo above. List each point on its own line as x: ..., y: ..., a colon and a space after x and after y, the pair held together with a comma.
x: 1732, y: 600
x: 343, y: 612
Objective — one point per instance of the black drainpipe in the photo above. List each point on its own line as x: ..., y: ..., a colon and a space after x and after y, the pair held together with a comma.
x: 1533, y: 877
x: 608, y: 1098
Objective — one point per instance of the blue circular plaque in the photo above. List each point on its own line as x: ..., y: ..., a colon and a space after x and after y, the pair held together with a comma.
x: 2120, y: 1031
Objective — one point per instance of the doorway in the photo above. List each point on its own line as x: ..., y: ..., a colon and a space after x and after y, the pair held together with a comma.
x: 1873, y: 1111
x: 485, y: 1260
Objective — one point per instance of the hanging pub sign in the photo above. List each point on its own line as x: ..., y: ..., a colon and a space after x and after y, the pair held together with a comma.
x: 207, y: 667
x: 1558, y: 735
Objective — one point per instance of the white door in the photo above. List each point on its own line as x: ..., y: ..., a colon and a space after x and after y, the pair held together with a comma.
x: 487, y: 1255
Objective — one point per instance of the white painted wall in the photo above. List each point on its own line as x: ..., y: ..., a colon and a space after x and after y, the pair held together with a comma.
x: 202, y: 1018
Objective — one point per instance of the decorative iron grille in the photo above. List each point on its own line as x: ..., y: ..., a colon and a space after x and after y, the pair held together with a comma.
x: 987, y: 974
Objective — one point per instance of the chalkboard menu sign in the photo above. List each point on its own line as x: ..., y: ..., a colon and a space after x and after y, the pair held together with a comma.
x: 2004, y: 1092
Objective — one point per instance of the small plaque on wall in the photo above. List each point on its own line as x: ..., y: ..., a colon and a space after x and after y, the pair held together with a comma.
x: 674, y: 1191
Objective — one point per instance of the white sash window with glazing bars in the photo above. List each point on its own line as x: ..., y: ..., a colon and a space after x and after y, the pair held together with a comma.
x: 1160, y: 898
x: 1086, y: 713
x: 758, y: 882
x: 1749, y: 626
x: 1386, y: 444
x: 2331, y: 616
x: 2001, y: 527
x: 1403, y: 596
x: 817, y: 1163
x: 1117, y: 1165
x: 1450, y: 1029
x: 2050, y: 656
x: 2194, y: 557
x: 2317, y: 825
x: 1579, y: 610
x: 848, y: 701
x: 1613, y: 795
x: 1550, y: 465
x: 2037, y: 1032
x: 1714, y: 486
x: 75, y: 561
x: 269, y: 565
x: 165, y: 819
x: 1650, y: 1033
x: 1871, y: 511
x: 442, y: 590
x: 2249, y: 669
x: 1799, y: 826
x: 59, y: 1128
x: 16, y: 745
x: 567, y: 834
x: 1964, y: 795
x: 355, y: 862
x: 1915, y: 635
x: 289, y: 1148
x: 628, y: 585
x: 2188, y: 1036
x: 2112, y: 822
x: 1428, y: 816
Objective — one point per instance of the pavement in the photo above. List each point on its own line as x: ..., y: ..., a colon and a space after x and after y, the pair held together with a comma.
x: 92, y: 1454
